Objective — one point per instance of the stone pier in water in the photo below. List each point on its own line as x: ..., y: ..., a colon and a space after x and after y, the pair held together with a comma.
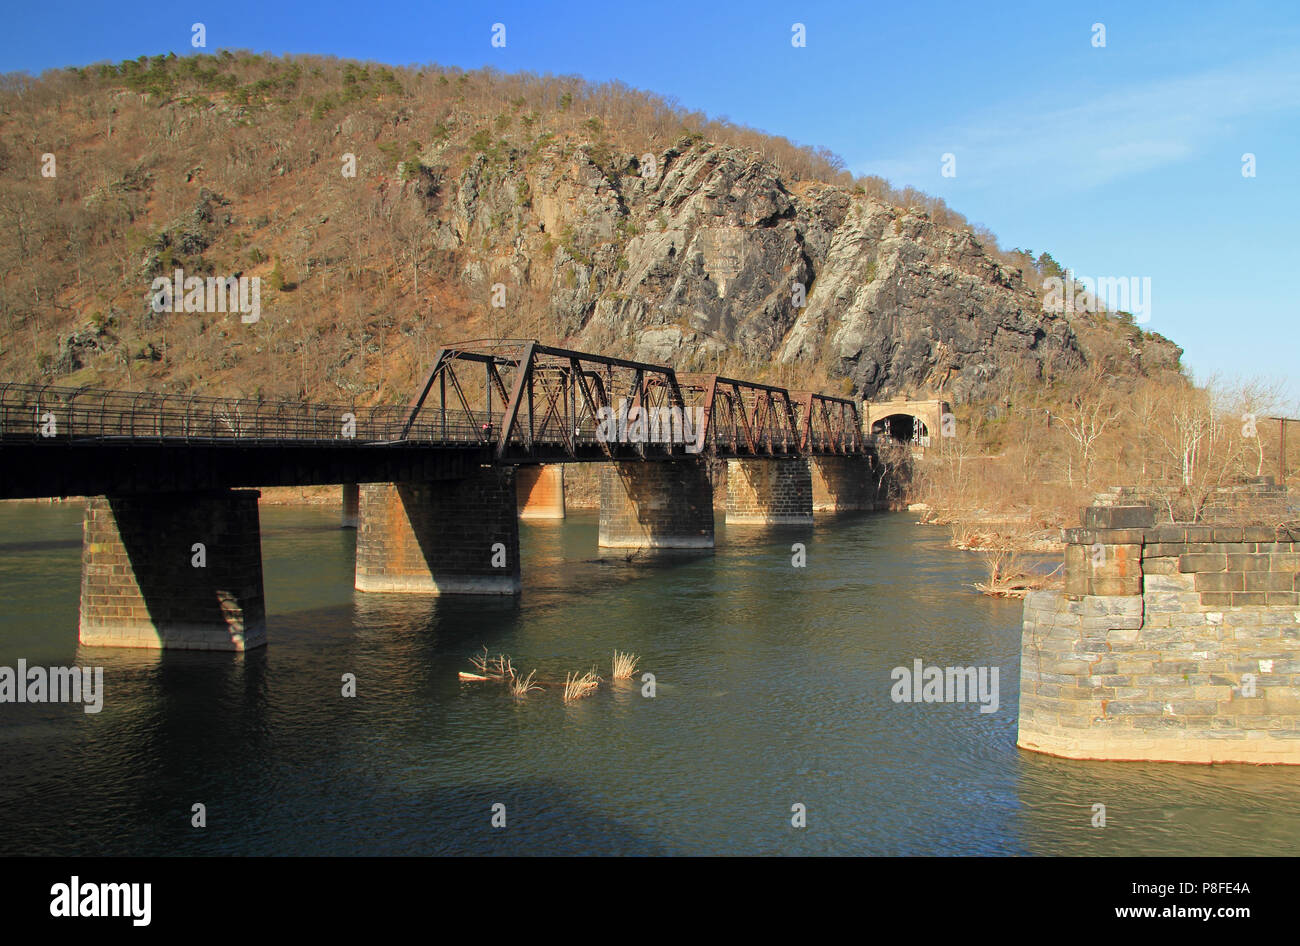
x: 663, y: 505
x: 769, y: 492
x: 179, y: 571
x: 540, y: 490
x: 441, y: 537
x: 1173, y: 642
x: 841, y: 484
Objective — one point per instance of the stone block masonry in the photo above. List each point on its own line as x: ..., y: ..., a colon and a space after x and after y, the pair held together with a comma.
x: 144, y: 584
x: 540, y: 490
x: 1258, y: 501
x: 351, y: 506
x: 1173, y: 642
x: 769, y: 492
x: 582, y: 484
x: 842, y: 484
x: 441, y: 537
x: 663, y: 504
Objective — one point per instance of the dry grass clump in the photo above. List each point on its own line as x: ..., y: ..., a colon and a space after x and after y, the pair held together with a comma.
x: 1011, y: 575
x: 522, y: 686
x: 624, y: 665
x: 577, y: 687
x: 1012, y: 581
x: 501, y: 669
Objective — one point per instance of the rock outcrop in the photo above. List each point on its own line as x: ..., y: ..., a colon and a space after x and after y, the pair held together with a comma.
x: 713, y: 251
x: 386, y: 212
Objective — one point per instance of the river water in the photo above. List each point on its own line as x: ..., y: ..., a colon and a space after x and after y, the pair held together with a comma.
x: 772, y: 688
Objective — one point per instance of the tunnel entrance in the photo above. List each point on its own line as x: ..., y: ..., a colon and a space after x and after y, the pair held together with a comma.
x: 903, y: 428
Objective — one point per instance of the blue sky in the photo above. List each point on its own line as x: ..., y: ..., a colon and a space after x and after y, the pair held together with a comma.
x: 1121, y: 161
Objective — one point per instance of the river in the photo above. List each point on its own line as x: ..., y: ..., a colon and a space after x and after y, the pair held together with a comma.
x: 772, y: 689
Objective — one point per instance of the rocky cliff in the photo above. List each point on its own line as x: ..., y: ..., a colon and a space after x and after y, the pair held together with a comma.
x: 474, y: 207
x: 715, y: 252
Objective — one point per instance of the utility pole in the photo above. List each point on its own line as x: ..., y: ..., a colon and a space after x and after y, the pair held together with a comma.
x: 1281, y: 449
x: 1281, y: 446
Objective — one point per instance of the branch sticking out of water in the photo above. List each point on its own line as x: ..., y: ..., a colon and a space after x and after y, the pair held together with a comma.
x: 499, y: 666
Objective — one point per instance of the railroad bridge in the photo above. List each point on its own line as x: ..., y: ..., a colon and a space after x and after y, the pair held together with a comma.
x: 172, y: 547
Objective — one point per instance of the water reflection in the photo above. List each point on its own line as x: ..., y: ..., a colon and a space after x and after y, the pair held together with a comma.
x: 772, y: 689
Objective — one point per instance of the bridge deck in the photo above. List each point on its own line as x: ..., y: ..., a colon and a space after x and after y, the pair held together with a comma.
x: 497, y: 402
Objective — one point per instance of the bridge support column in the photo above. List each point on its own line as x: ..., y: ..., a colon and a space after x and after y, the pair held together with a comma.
x: 351, y: 505
x: 441, y: 537
x: 663, y: 505
x: 541, y: 491
x: 840, y: 484
x: 769, y: 492
x: 174, y: 571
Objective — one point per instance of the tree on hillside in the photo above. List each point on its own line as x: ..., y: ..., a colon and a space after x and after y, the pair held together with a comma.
x: 1251, y: 401
x: 1048, y: 267
x: 1085, y: 418
x: 1197, y: 429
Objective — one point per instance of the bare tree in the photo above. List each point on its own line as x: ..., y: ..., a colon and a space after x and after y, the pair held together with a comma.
x: 1251, y: 401
x: 1085, y: 419
x: 1198, y: 431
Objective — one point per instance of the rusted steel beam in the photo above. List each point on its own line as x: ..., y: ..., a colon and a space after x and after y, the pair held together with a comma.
x: 572, y: 390
x: 593, y: 401
x: 828, y: 423
x: 522, y: 379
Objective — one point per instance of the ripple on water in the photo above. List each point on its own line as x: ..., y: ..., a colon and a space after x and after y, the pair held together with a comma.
x: 773, y: 688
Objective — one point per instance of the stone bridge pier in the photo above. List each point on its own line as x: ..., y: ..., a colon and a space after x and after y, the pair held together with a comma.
x: 351, y: 506
x: 540, y: 490
x: 455, y: 536
x: 176, y: 571
x: 842, y: 484
x: 769, y: 492
x: 660, y: 505
x: 1171, y: 642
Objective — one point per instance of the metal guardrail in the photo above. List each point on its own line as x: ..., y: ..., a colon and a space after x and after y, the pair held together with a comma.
x: 45, y: 412
x: 35, y: 411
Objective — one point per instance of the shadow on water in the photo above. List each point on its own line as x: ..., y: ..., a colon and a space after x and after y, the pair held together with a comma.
x: 1181, y: 810
x: 772, y: 689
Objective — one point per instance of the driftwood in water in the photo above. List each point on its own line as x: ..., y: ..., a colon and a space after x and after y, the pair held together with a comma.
x: 497, y: 678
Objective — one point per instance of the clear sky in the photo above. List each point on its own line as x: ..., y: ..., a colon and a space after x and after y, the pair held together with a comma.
x: 1122, y: 160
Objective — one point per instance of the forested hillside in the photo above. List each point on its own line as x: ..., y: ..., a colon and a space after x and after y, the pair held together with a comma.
x: 385, y: 211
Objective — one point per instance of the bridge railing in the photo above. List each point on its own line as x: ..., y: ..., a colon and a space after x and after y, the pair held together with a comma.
x: 513, y: 398
x: 32, y: 411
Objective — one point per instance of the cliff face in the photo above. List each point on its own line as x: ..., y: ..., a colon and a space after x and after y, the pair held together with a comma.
x: 702, y: 255
x: 705, y: 256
